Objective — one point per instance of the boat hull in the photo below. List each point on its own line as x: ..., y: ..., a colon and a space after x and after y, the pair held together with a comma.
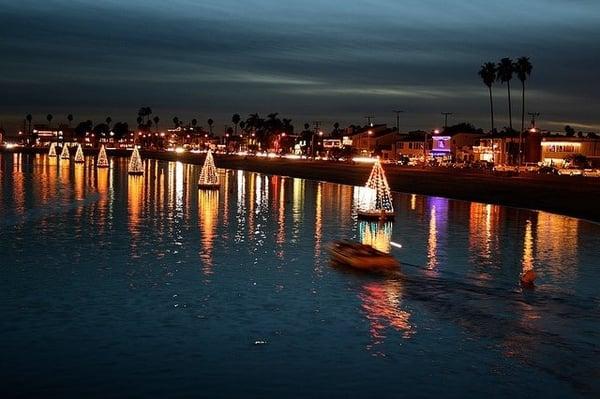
x: 135, y: 173
x: 376, y: 215
x: 362, y: 257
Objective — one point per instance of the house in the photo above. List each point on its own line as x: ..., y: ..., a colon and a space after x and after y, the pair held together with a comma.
x: 411, y: 145
x: 556, y: 148
x: 502, y: 148
x: 365, y: 140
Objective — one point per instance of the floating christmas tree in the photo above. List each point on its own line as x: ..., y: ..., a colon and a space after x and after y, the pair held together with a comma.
x: 381, y: 204
x: 65, y: 152
x: 79, y: 154
x: 208, y: 175
x: 135, y: 163
x: 102, y: 161
x: 52, y: 152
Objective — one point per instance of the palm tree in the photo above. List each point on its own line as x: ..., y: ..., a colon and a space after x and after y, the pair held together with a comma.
x: 156, y: 119
x: 194, y: 122
x: 523, y: 69
x: 139, y: 120
x: 29, y: 119
x: 210, y: 125
x: 49, y: 118
x: 505, y: 74
x: 108, y: 121
x: 70, y: 119
x: 488, y: 75
x: 336, y: 129
x: 236, y: 120
x: 176, y: 122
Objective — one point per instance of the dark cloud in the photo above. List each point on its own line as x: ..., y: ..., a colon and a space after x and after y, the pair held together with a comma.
x: 327, y: 60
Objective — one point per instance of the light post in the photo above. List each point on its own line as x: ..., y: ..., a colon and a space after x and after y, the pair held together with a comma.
x: 369, y: 137
x: 312, y: 144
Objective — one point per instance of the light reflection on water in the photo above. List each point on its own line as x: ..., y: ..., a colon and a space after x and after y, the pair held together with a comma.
x: 249, y: 262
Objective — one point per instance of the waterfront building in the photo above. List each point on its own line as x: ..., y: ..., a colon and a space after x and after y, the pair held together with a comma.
x: 555, y: 149
x: 410, y: 145
x: 369, y: 140
x: 503, y: 148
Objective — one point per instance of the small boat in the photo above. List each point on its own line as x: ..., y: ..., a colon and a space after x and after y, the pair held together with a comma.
x: 361, y: 256
x: 379, y: 201
x: 79, y: 158
x: 376, y: 214
x: 209, y: 179
x: 136, y: 167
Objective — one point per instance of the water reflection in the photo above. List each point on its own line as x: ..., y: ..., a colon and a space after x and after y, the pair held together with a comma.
x: 382, y: 306
x: 208, y: 213
x: 378, y: 235
x: 135, y: 202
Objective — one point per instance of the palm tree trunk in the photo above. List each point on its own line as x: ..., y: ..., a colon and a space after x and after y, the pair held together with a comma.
x: 522, y: 124
x: 509, y: 106
x: 491, y: 107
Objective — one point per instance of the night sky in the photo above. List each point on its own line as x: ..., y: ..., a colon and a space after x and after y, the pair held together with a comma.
x: 308, y: 60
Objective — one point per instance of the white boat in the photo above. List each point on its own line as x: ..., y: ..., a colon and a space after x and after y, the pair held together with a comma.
x: 136, y: 167
x: 209, y: 179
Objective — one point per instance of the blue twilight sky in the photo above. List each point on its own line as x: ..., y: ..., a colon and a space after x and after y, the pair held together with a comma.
x: 308, y: 60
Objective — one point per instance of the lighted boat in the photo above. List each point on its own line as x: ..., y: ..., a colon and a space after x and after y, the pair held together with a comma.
x: 65, y: 152
x: 136, y: 167
x: 79, y: 158
x: 102, y: 158
x: 209, y: 179
x: 361, y: 256
x: 379, y: 205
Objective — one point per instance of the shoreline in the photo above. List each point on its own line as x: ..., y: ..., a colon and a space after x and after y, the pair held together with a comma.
x: 573, y: 196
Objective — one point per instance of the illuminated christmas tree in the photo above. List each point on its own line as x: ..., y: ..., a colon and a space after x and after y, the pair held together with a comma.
x: 208, y: 175
x: 102, y: 161
x: 65, y: 152
x: 381, y: 204
x: 135, y: 163
x: 52, y: 152
x: 79, y: 154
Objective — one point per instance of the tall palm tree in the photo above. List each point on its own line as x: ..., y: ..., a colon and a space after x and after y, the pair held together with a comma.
x: 194, y: 122
x: 210, y: 125
x: 488, y: 75
x: 156, y: 119
x: 236, y: 120
x: 49, y: 117
x: 70, y: 119
x: 523, y: 69
x: 176, y: 122
x: 505, y: 74
x: 29, y: 119
x: 108, y: 121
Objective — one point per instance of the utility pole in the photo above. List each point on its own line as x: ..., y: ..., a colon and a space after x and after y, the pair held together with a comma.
x: 317, y: 125
x: 369, y: 118
x: 533, y: 115
x: 446, y: 119
x: 398, y: 120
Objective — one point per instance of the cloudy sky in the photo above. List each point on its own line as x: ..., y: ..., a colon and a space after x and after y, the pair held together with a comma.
x: 308, y: 60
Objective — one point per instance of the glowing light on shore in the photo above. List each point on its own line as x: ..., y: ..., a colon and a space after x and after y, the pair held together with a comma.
x: 364, y: 160
x: 179, y: 150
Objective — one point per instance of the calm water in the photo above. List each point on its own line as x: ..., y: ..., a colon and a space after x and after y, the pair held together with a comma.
x: 145, y: 287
